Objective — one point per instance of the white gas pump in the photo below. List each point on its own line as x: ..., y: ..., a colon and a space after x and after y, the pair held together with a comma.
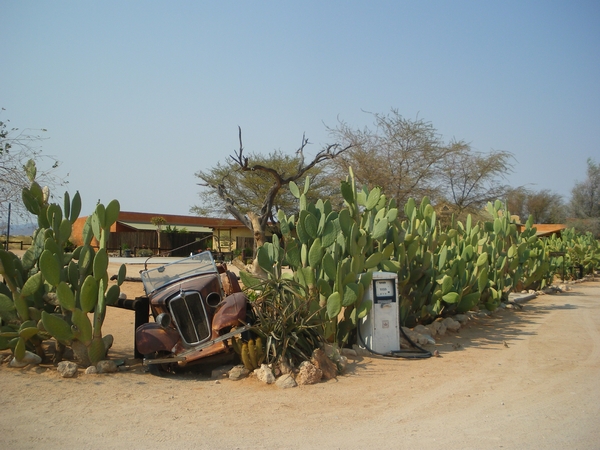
x: 379, y: 330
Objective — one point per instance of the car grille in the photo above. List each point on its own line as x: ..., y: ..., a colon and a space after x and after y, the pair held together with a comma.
x: 189, y: 314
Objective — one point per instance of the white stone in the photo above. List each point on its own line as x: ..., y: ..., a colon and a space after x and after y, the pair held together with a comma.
x: 265, y: 374
x: 334, y: 353
x: 442, y: 329
x: 451, y: 324
x: 285, y: 366
x: 238, y: 372
x: 308, y: 374
x: 461, y: 318
x: 67, y: 369
x: 106, y: 366
x: 29, y: 358
x: 432, y: 329
x: 286, y: 381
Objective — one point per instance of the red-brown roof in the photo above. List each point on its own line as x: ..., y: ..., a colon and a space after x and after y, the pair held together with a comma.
x: 546, y: 229
x: 127, y: 221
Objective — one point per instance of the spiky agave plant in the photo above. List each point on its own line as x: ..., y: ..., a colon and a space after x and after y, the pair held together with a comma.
x: 286, y: 317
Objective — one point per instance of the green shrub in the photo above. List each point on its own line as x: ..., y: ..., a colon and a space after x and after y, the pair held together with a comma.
x: 144, y: 252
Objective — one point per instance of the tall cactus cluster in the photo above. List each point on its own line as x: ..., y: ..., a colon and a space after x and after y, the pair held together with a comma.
x: 332, y: 255
x: 581, y: 252
x: 50, y: 291
x: 465, y: 265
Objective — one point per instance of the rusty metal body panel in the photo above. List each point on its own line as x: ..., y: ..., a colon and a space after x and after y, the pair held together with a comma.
x: 192, y: 312
x: 151, y: 337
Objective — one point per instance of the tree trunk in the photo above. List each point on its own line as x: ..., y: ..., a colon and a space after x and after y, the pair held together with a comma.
x: 257, y: 229
x: 259, y: 240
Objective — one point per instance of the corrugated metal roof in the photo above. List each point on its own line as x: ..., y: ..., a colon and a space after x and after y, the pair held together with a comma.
x: 180, y: 221
x: 149, y: 226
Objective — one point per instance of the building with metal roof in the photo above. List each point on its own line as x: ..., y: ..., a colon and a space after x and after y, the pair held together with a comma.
x: 179, y: 235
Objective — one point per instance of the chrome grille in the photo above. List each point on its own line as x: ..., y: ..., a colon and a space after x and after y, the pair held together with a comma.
x: 189, y: 314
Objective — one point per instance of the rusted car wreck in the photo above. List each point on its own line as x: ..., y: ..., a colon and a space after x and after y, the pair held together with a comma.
x: 198, y: 306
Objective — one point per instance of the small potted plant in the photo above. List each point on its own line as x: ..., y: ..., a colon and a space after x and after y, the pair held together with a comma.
x: 126, y: 250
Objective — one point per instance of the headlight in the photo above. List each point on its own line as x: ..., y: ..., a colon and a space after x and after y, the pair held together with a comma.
x: 213, y: 299
x: 163, y: 319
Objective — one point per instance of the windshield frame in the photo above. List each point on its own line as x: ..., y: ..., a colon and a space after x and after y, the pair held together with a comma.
x: 181, y: 269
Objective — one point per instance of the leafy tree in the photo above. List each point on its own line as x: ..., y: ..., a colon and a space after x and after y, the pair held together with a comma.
x: 469, y: 180
x: 545, y: 206
x: 584, y: 226
x: 399, y: 155
x: 585, y: 196
x: 408, y: 158
x: 516, y: 201
x: 584, y: 206
x: 17, y: 147
x: 249, y: 187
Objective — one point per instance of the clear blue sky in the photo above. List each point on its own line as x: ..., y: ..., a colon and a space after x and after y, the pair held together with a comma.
x: 139, y: 95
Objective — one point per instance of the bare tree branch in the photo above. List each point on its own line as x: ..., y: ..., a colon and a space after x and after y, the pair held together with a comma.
x: 279, y: 180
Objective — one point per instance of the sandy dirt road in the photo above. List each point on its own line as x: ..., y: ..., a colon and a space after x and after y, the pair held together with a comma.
x: 521, y: 379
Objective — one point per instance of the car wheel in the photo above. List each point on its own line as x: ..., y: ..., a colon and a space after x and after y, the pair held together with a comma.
x: 160, y: 370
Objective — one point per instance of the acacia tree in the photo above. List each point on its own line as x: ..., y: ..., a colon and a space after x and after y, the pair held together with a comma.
x: 585, y: 196
x: 248, y: 186
x: 399, y: 155
x: 469, y: 180
x: 545, y: 206
x: 408, y: 158
x: 17, y: 147
x: 584, y: 206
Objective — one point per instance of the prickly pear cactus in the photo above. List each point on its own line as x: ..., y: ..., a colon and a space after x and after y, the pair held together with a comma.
x: 440, y: 271
x: 50, y: 291
x: 332, y: 253
x: 82, y: 288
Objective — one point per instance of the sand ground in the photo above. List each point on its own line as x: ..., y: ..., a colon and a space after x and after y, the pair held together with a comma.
x: 540, y: 390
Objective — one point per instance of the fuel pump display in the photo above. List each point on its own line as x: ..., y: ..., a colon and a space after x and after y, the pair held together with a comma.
x: 385, y: 291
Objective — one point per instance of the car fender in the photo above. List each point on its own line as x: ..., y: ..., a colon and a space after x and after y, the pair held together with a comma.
x: 232, y: 312
x: 152, y: 337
